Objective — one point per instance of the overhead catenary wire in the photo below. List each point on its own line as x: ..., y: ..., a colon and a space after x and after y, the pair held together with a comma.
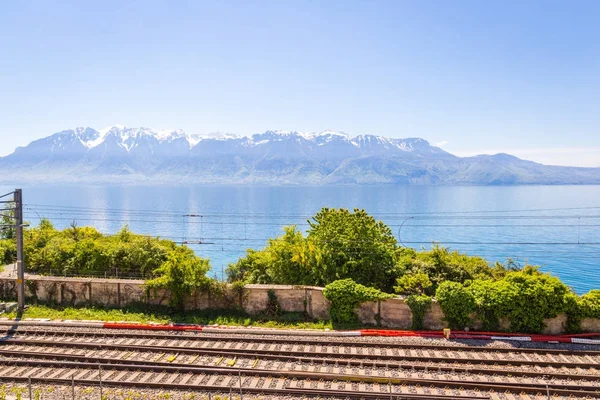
x: 126, y: 219
x: 86, y: 214
x: 46, y: 206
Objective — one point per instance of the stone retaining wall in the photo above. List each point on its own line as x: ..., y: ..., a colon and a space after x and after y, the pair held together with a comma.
x: 392, y: 313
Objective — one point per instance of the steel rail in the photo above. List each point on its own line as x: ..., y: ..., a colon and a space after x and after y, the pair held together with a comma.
x: 199, y: 336
x: 280, y: 353
x: 336, y: 362
x: 271, y: 391
x: 290, y: 355
x: 532, y: 388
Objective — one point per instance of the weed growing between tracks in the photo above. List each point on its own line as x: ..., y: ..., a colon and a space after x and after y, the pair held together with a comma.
x: 144, y: 313
x: 61, y: 392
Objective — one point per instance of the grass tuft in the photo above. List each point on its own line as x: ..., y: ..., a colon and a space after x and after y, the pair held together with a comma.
x: 144, y: 314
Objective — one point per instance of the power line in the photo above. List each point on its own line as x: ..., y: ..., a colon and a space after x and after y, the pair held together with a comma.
x: 8, y: 194
x: 194, y: 222
x: 261, y: 215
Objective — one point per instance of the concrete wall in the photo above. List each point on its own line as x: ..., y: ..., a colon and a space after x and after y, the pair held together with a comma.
x: 393, y: 313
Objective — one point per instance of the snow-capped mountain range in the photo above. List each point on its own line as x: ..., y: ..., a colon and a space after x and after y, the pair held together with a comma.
x: 142, y: 155
x: 133, y: 139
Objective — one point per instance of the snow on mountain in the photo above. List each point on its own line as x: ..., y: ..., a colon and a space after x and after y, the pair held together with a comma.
x: 131, y: 155
x: 132, y: 138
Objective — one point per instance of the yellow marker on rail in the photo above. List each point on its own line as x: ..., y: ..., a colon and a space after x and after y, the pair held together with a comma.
x: 219, y: 360
x: 161, y: 355
x: 172, y: 358
x: 255, y: 362
x: 194, y: 359
x: 447, y: 333
x: 127, y: 355
x: 231, y: 363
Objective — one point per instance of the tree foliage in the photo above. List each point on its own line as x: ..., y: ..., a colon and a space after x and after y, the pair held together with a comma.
x: 419, y: 304
x: 413, y: 284
x: 440, y: 264
x: 457, y: 302
x: 182, y: 274
x: 345, y: 295
x: 85, y: 251
x: 339, y: 244
x: 354, y: 245
x: 525, y: 297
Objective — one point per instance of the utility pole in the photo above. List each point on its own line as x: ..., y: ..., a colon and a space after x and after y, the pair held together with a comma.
x: 18, y: 198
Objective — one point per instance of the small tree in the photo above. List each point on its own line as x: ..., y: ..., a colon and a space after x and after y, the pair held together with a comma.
x: 182, y: 274
x: 354, y: 245
x: 457, y: 302
x: 413, y: 284
x: 345, y: 295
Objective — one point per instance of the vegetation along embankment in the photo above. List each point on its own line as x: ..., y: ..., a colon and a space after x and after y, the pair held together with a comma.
x: 353, y: 256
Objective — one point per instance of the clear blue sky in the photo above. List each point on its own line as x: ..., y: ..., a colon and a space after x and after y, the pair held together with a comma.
x: 474, y: 76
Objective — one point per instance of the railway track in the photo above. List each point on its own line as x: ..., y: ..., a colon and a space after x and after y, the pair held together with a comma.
x: 267, y: 348
x: 290, y: 366
x: 329, y: 341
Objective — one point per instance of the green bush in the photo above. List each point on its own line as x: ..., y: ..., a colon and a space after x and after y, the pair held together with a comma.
x: 413, y: 284
x: 493, y: 300
x: 8, y: 251
x: 419, y: 304
x: 339, y: 244
x: 345, y: 295
x: 577, y: 308
x: 590, y: 304
x: 534, y: 296
x: 526, y: 298
x: 457, y: 302
x: 273, y: 309
x: 182, y: 275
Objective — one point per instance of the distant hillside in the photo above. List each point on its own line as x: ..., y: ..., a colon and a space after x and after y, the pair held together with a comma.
x: 142, y: 155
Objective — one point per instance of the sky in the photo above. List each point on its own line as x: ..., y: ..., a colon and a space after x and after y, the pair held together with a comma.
x: 473, y: 77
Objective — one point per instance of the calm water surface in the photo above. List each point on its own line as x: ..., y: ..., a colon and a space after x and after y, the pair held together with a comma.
x: 557, y: 227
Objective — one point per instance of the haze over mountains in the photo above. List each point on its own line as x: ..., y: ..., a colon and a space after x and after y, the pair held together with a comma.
x: 147, y: 156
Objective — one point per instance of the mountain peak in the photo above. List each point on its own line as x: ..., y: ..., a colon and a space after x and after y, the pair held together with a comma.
x: 122, y: 154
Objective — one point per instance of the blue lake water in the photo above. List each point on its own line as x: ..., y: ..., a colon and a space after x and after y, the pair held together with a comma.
x: 556, y: 227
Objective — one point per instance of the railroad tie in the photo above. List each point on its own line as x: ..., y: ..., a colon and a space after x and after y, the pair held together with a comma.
x: 134, y: 376
x: 254, y: 382
x: 186, y: 378
x: 19, y: 371
x: 57, y: 373
x: 146, y: 376
x: 199, y: 379
x: 280, y: 383
x: 120, y: 376
x: 172, y: 378
x: 212, y: 380
x: 159, y: 377
x: 81, y: 374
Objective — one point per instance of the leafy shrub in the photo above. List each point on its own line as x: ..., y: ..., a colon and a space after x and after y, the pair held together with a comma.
x: 577, y: 308
x: 493, y: 300
x: 182, y: 275
x: 419, y: 304
x: 590, y: 304
x: 339, y: 244
x: 8, y: 251
x: 413, y: 284
x: 440, y: 265
x: 457, y: 302
x: 533, y: 296
x: 273, y: 309
x: 526, y: 297
x: 345, y: 295
x: 85, y: 251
